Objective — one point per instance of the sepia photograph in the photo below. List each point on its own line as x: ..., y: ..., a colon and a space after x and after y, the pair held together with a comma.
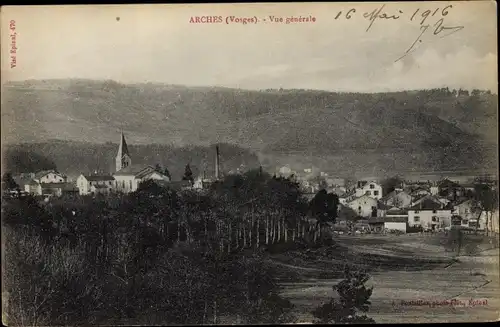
x: 250, y: 163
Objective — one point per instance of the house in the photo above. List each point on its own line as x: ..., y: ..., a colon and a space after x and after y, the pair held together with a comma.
x: 493, y: 222
x: 49, y: 176
x: 465, y: 210
x: 335, y: 182
x: 433, y: 198
x: 285, y: 171
x: 364, y: 206
x: 202, y: 182
x: 468, y: 187
x: 48, y: 188
x: 371, y: 189
x: 56, y: 189
x: 23, y: 179
x: 396, y: 219
x: 33, y: 187
x: 396, y: 223
x: 93, y: 184
x: 419, y: 192
x: 486, y: 220
x: 430, y: 215
x: 448, y: 188
x: 398, y: 199
x: 382, y: 209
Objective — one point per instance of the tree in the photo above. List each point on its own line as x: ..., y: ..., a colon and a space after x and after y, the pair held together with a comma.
x: 167, y: 173
x: 323, y: 184
x: 475, y: 93
x: 188, y: 174
x: 486, y: 200
x: 324, y: 208
x: 353, y: 304
x: 347, y: 213
x: 390, y: 184
x: 8, y: 182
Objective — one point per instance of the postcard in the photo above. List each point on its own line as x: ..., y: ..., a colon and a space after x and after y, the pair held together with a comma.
x: 256, y: 163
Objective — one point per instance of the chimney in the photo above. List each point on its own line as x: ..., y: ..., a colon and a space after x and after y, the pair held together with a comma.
x: 216, y: 162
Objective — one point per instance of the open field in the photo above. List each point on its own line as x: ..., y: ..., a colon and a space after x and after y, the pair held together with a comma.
x: 403, y: 268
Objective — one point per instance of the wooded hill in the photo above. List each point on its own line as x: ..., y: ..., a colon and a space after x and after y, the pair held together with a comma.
x: 273, y: 123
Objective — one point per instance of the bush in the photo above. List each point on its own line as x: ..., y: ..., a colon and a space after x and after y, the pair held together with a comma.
x: 48, y: 284
x: 353, y: 302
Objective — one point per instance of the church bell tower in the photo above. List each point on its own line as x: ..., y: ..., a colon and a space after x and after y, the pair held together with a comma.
x: 123, y: 157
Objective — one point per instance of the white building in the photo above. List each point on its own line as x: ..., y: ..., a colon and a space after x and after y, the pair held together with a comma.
x: 433, y: 198
x: 52, y: 189
x: 465, y: 210
x: 335, y: 182
x: 49, y: 176
x: 93, y: 184
x: 364, y: 206
x: 371, y: 189
x: 398, y: 199
x: 430, y: 215
x: 202, y: 182
x: 396, y: 219
x: 285, y: 171
x: 395, y: 223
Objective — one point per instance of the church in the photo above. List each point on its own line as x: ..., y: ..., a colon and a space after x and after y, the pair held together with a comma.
x: 128, y: 176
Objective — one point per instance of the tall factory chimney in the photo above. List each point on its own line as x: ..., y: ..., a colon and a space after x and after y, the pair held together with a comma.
x: 216, y: 162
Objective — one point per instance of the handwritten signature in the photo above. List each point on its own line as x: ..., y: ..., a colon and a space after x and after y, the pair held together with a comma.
x: 439, y: 28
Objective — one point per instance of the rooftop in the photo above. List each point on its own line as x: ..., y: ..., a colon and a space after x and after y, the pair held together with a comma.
x: 382, y: 206
x: 92, y: 178
x: 63, y: 186
x: 396, y: 212
x: 445, y: 183
x: 133, y: 170
x: 427, y: 204
x: 42, y: 173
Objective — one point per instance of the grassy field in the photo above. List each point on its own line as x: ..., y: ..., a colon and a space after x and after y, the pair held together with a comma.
x: 404, y: 268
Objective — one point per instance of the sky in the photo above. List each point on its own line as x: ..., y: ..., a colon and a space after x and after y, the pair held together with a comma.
x: 157, y: 43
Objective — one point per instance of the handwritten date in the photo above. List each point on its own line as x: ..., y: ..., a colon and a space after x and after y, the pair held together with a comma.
x: 419, y: 16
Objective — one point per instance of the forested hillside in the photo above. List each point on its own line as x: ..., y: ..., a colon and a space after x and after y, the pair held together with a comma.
x: 273, y: 123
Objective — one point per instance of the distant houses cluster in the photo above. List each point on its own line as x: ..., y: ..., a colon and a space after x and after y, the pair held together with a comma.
x: 126, y: 179
x: 427, y: 205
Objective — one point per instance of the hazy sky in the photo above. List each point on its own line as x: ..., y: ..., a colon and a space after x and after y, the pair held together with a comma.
x: 156, y: 43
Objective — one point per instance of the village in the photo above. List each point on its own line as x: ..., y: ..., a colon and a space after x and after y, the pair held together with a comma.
x: 365, y: 206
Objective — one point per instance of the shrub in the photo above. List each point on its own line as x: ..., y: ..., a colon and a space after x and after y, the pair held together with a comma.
x: 353, y: 303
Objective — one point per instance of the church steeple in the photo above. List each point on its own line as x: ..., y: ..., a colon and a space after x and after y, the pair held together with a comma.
x: 123, y: 158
